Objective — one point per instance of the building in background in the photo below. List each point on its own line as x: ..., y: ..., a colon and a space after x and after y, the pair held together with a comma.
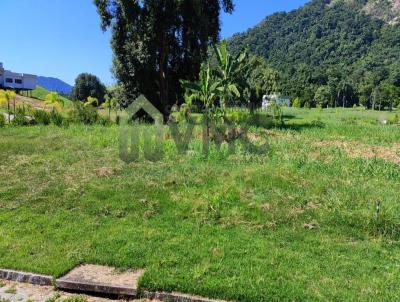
x: 17, y: 81
x: 278, y: 99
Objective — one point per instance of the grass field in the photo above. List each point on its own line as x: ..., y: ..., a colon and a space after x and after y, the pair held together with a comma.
x: 296, y: 224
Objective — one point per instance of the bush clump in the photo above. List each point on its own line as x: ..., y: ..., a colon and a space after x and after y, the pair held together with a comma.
x: 104, y: 121
x: 20, y: 118
x: 238, y: 116
x: 42, y: 117
x: 395, y: 120
x: 57, y: 118
x: 2, y: 121
x: 84, y: 114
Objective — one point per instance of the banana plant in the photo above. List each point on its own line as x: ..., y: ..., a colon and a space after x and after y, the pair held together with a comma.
x: 228, y: 70
x: 206, y: 90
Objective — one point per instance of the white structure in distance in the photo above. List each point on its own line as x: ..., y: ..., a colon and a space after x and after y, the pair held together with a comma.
x: 278, y: 99
x: 265, y: 103
x: 17, y: 81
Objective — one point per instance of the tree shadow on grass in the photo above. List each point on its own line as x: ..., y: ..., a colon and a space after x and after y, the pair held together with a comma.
x: 289, y: 116
x: 300, y: 127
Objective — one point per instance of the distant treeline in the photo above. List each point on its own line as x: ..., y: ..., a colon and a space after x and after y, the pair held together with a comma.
x: 330, y: 54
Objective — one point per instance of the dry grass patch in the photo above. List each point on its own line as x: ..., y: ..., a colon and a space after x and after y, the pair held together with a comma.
x: 359, y: 150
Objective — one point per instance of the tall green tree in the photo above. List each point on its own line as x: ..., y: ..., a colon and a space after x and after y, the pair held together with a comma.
x: 346, y: 94
x: 257, y: 79
x: 323, y: 96
x: 325, y: 42
x: 158, y: 42
x: 88, y: 85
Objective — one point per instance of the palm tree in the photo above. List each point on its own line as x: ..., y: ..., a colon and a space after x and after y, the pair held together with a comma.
x: 5, y: 97
x: 53, y: 100
x: 110, y: 103
x: 91, y: 101
x: 12, y: 95
x: 345, y: 93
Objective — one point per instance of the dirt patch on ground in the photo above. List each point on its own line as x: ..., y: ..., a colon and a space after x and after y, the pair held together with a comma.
x: 106, y: 171
x: 35, y: 103
x: 104, y: 275
x: 358, y: 150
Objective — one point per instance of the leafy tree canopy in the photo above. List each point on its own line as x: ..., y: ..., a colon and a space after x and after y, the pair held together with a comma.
x: 329, y: 43
x: 88, y: 85
x: 158, y: 42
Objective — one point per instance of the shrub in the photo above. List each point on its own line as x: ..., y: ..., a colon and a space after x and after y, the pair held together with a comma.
x: 2, y: 120
x: 84, y: 114
x: 104, y: 121
x: 56, y: 118
x: 395, y: 119
x: 42, y: 117
x: 296, y: 103
x: 275, y: 111
x: 238, y: 116
x: 20, y: 118
x: 318, y: 123
x: 261, y: 120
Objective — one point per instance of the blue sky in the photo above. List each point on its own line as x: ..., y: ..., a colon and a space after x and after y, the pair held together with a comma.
x: 62, y: 38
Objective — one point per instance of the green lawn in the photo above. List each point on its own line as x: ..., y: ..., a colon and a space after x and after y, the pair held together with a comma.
x: 297, y: 224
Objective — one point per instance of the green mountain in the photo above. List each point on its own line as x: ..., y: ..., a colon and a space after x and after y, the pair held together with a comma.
x: 349, y: 47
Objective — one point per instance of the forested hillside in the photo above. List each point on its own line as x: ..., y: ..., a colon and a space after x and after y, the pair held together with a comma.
x: 339, y: 52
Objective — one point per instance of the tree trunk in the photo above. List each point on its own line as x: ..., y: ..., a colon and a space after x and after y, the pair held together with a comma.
x: 252, y: 105
x: 164, y: 77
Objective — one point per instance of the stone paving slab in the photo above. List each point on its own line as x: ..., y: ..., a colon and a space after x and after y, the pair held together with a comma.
x: 176, y: 297
x: 28, y: 287
x: 11, y: 291
x: 101, y: 279
x: 25, y: 277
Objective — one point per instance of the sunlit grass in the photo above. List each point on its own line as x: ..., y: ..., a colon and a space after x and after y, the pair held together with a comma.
x: 296, y: 224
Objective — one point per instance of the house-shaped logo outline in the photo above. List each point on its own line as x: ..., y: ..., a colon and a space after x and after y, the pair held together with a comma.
x: 143, y: 103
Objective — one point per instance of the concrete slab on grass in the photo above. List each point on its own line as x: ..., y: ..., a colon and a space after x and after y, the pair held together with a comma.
x: 176, y: 297
x: 101, y: 279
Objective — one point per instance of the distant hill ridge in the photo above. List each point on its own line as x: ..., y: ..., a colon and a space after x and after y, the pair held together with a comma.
x: 329, y: 41
x: 54, y: 84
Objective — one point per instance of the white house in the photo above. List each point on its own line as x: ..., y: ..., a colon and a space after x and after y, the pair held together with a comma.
x: 277, y: 98
x: 17, y: 81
